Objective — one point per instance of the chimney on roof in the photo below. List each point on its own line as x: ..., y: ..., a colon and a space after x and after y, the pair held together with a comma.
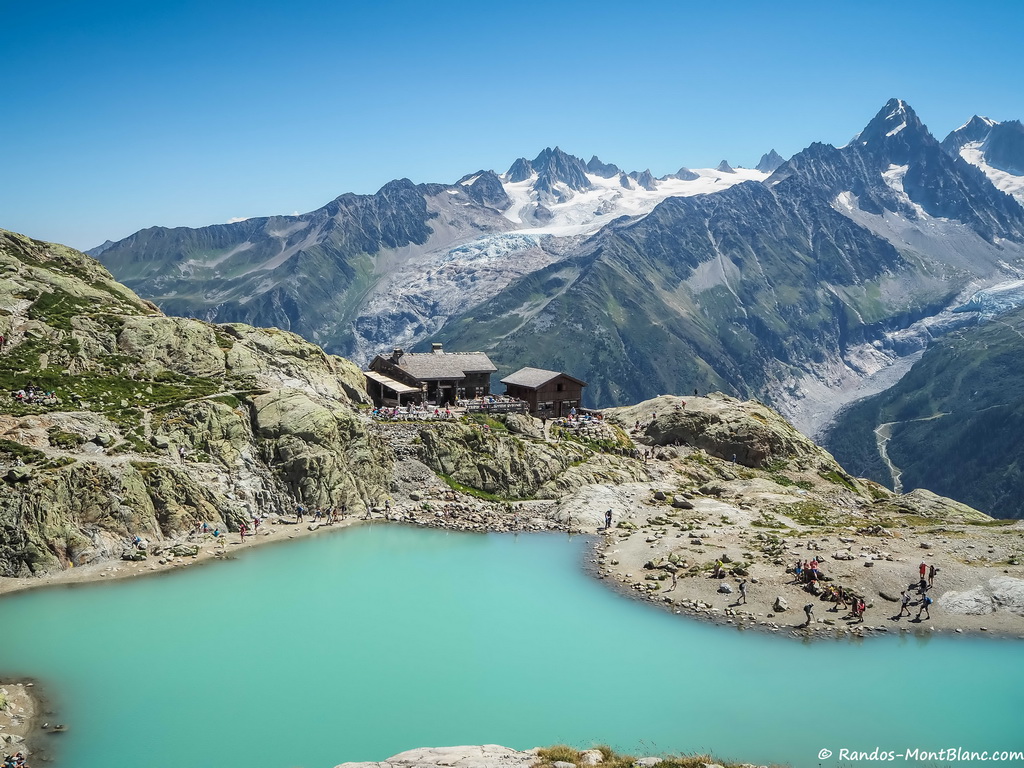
x: 396, y: 355
x: 437, y: 348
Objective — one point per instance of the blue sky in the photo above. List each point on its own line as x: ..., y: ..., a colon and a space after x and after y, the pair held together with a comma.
x: 121, y: 115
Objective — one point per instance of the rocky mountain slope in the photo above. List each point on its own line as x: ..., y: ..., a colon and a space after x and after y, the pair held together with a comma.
x: 122, y: 421
x: 954, y: 424
x: 995, y: 148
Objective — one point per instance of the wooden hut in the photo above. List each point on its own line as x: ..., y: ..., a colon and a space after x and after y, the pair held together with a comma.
x: 549, y: 393
x: 436, y: 376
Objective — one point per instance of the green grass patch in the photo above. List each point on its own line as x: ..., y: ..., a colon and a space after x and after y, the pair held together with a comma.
x: 229, y: 400
x: 997, y: 523
x: 787, y: 482
x: 66, y: 440
x: 16, y: 450
x: 807, y: 513
x: 834, y: 477
x: 548, y: 756
x: 484, y: 419
x: 57, y: 308
x: 469, y: 490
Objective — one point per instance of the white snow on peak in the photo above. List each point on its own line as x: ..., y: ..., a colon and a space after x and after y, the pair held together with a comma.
x: 893, y: 176
x: 586, y: 211
x: 897, y: 129
x: 469, y: 181
x: 847, y: 200
x: 1007, y: 182
x: 901, y: 109
x: 986, y: 120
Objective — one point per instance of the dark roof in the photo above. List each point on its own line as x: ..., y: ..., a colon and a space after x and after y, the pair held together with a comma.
x: 535, y: 378
x: 426, y: 366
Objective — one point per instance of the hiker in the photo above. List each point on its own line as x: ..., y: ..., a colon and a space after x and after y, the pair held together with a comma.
x: 717, y: 574
x: 905, y: 603
x: 809, y: 610
x: 241, y: 531
x: 840, y: 598
x: 861, y: 607
x: 743, y: 593
x: 925, y: 605
x: 298, y: 513
x: 607, y: 519
x: 923, y: 569
x: 932, y: 570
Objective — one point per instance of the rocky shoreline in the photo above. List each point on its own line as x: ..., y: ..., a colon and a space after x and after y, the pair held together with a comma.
x: 496, y: 756
x: 669, y: 530
x: 23, y: 707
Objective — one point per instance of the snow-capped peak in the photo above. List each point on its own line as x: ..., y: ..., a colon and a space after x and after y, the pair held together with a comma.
x: 896, y: 118
x: 549, y: 206
x: 977, y: 121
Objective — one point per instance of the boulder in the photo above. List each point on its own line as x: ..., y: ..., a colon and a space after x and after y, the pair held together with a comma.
x: 780, y: 605
x: 523, y: 424
x: 746, y: 432
x: 18, y: 474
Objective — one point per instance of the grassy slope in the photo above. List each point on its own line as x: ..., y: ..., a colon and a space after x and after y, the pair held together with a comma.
x: 961, y: 414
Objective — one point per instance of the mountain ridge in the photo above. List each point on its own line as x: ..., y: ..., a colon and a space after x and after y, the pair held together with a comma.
x: 940, y: 222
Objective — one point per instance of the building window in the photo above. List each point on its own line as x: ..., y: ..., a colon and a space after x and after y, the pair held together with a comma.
x: 560, y: 387
x: 547, y: 406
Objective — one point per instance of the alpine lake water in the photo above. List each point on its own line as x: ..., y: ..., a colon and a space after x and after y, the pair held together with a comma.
x: 361, y: 643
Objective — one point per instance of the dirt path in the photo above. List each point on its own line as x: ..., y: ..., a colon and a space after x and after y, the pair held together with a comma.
x: 883, y: 434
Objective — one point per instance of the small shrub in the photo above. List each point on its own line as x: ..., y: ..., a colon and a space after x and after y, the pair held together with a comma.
x: 66, y: 440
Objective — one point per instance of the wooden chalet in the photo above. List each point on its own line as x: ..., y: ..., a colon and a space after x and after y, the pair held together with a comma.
x: 549, y: 393
x: 436, y: 376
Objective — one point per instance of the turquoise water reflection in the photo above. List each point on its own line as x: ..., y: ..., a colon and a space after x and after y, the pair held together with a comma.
x: 358, y: 644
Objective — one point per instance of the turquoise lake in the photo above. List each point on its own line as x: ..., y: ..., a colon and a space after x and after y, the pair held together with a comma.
x: 357, y: 644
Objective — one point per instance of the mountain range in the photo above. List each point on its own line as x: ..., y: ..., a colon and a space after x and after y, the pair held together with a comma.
x: 793, y: 282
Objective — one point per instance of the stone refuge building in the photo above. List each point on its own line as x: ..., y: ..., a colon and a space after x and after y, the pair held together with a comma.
x: 549, y: 393
x: 436, y: 376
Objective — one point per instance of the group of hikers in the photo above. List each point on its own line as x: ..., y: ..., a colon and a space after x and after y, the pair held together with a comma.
x: 17, y: 760
x: 412, y: 412
x: 33, y: 394
x: 808, y: 573
x: 328, y: 515
x: 926, y: 578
